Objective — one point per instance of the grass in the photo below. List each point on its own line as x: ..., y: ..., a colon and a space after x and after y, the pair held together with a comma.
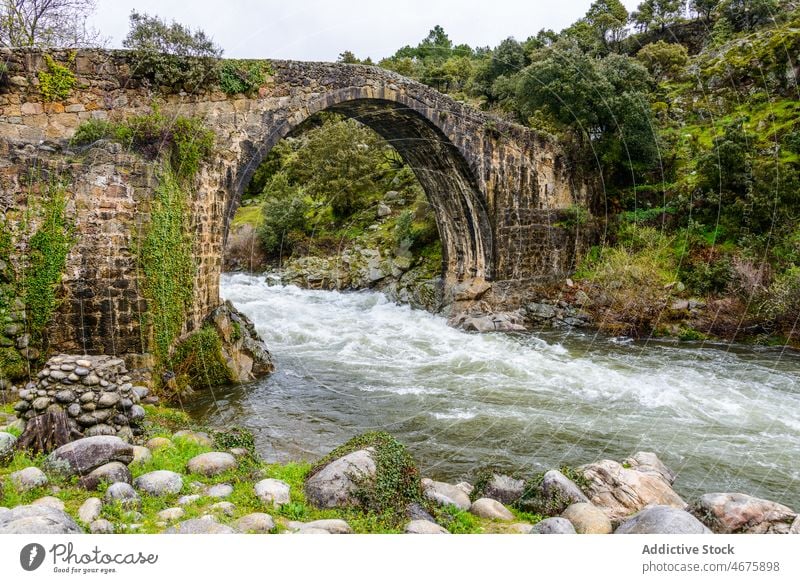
x: 247, y: 215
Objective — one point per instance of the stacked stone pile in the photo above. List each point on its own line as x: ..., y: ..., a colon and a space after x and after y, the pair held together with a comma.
x: 95, y: 391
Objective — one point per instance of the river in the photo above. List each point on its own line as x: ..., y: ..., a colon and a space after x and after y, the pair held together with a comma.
x: 726, y: 418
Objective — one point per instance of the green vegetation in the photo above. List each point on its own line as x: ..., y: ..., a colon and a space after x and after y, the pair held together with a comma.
x: 243, y: 76
x: 57, y: 82
x: 199, y: 357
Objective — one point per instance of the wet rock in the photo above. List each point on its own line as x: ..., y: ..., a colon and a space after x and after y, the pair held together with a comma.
x: 257, y: 522
x: 335, y: 484
x: 159, y: 483
x: 559, y: 491
x: 499, y: 322
x: 621, y: 491
x: 443, y: 494
x: 424, y: 527
x: 212, y: 463
x: 82, y: 456
x: 37, y: 519
x: 728, y: 513
x: 491, y: 509
x: 108, y: 473
x: 554, y: 525
x: 90, y: 510
x: 662, y: 520
x: 199, y: 526
x: 587, y: 519
x: 504, y: 488
x: 272, y: 491
x: 28, y: 479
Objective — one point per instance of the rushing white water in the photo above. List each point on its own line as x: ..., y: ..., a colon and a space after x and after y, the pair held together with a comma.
x: 726, y: 419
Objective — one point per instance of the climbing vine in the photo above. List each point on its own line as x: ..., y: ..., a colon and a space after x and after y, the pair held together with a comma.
x: 58, y: 80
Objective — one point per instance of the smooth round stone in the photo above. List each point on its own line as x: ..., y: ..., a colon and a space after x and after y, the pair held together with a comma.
x: 424, y: 527
x: 587, y: 519
x: 83, y: 362
x: 491, y: 509
x: 555, y: 525
x: 57, y: 375
x: 188, y: 499
x: 50, y: 501
x: 159, y: 483
x: 226, y: 508
x: 101, y: 526
x: 158, y: 443
x: 212, y: 463
x: 141, y: 455
x: 136, y: 413
x: 198, y: 437
x: 662, y: 520
x: 124, y: 494
x: 7, y: 444
x: 109, y: 473
x: 81, y: 371
x: 90, y: 510
x: 257, y: 522
x: 28, y: 479
x: 200, y: 526
x: 87, y: 398
x: 65, y: 396
x: 36, y: 519
x: 171, y: 514
x: 272, y: 491
x: 220, y: 491
x: 108, y: 399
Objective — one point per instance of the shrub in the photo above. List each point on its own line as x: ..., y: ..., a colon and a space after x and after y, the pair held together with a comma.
x: 782, y: 299
x: 57, y: 82
x: 200, y: 358
x: 12, y: 366
x: 242, y: 76
x: 284, y: 212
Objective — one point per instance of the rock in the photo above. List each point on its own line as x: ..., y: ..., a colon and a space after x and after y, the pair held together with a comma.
x: 538, y: 312
x: 212, y: 463
x: 158, y: 443
x: 470, y: 290
x: 108, y: 399
x: 335, y: 484
x: 554, y: 525
x: 272, y: 491
x: 136, y: 413
x: 311, y: 531
x: 424, y: 527
x: 647, y: 462
x: 124, y: 494
x: 500, y: 322
x: 257, y: 522
x: 50, y: 501
x: 198, y: 437
x: 171, y: 514
x: 384, y: 210
x: 199, y: 526
x: 795, y: 528
x: 415, y: 511
x: 587, y: 519
x: 37, y: 519
x: 559, y: 491
x: 7, y: 444
x: 28, y: 479
x: 82, y: 456
x: 159, y: 483
x: 492, y: 509
x: 504, y: 488
x: 728, y: 513
x: 188, y: 499
x: 140, y: 391
x: 443, y: 494
x: 219, y: 491
x: 90, y: 510
x: 621, y: 491
x: 141, y: 455
x: 65, y: 396
x: 101, y: 526
x: 226, y: 508
x: 108, y: 473
x: 332, y: 525
x: 662, y: 520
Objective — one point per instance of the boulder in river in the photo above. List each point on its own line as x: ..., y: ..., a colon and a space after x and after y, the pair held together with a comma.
x: 728, y: 513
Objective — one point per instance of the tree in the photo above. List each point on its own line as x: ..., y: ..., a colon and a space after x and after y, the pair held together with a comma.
x: 348, y: 57
x: 507, y: 59
x: 436, y: 45
x: 660, y: 13
x: 47, y: 23
x: 171, y: 54
x: 704, y: 8
x: 608, y: 19
x: 663, y: 59
x: 749, y: 14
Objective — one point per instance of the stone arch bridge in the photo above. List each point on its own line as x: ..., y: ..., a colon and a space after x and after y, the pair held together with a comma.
x: 497, y: 188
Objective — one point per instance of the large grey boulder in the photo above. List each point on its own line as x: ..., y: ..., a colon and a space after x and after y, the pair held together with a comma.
x: 648, y: 462
x: 424, y: 527
x: 82, y: 456
x: 662, y: 520
x: 335, y: 484
x: 446, y: 494
x: 503, y: 488
x: 199, y: 526
x: 332, y: 525
x: 559, y: 491
x: 587, y: 519
x: 795, y: 528
x: 621, y: 491
x: 37, y: 519
x: 554, y: 525
x: 272, y: 491
x: 7, y: 444
x: 28, y: 479
x: 109, y: 473
x: 159, y: 483
x: 211, y: 463
x: 728, y: 513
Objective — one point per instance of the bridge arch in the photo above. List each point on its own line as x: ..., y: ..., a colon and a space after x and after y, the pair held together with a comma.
x: 413, y: 129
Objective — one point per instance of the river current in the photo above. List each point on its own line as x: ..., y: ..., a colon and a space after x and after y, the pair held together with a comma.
x: 726, y: 418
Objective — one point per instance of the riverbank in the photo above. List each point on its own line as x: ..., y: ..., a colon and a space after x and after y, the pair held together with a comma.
x: 184, y: 478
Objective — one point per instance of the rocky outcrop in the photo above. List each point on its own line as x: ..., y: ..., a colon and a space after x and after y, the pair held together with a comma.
x: 243, y: 351
x: 727, y: 513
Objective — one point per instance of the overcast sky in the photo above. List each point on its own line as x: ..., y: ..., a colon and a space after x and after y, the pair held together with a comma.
x: 321, y: 29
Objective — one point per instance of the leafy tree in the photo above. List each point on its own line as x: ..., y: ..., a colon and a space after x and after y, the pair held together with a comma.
x: 347, y: 57
x: 749, y: 14
x: 608, y: 19
x: 284, y: 213
x: 403, y: 65
x: 171, y: 54
x: 507, y: 59
x: 436, y: 45
x: 47, y: 23
x: 704, y: 8
x: 660, y: 13
x: 663, y: 59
